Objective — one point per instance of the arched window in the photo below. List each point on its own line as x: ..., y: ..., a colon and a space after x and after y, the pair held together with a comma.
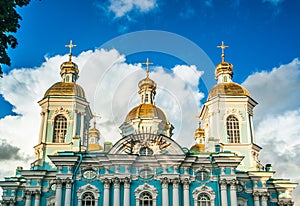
x: 233, y: 129
x: 88, y: 199
x: 146, y: 151
x: 146, y: 199
x: 60, y: 129
x: 203, y: 200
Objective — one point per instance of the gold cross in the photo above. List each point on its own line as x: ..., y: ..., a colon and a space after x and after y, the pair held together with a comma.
x: 95, y: 119
x: 147, y: 63
x: 199, y: 120
x: 70, y: 45
x: 223, y: 47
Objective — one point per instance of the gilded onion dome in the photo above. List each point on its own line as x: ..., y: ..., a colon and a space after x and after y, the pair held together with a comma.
x: 69, y: 74
x: 223, y: 75
x: 199, y: 136
x: 94, y: 137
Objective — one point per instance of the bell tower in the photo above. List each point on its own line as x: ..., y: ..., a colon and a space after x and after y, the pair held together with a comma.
x: 228, y: 117
x: 65, y: 116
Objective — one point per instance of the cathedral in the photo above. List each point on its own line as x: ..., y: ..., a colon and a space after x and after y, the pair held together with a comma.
x: 146, y: 167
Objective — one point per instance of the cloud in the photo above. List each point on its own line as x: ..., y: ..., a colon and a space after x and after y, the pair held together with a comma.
x: 9, y: 152
x: 122, y: 8
x: 277, y: 118
x: 111, y: 88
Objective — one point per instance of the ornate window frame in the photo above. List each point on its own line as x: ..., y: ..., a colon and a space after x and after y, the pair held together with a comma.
x: 88, y: 188
x: 60, y: 125
x: 234, y: 125
x: 145, y: 187
x: 204, y: 189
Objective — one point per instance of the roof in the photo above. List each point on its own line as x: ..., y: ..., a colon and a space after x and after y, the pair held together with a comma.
x: 65, y: 89
x: 228, y: 89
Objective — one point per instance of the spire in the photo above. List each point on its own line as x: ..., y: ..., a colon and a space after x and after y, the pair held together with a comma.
x: 147, y: 63
x: 95, y: 116
x: 70, y: 45
x: 147, y: 87
x: 223, y: 47
x: 69, y: 70
x: 223, y: 71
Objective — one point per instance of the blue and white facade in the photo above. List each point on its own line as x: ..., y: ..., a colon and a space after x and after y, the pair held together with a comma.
x: 146, y: 167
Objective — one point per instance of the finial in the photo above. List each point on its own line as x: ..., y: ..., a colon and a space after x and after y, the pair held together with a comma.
x: 95, y: 119
x: 70, y: 45
x: 223, y: 47
x: 199, y: 121
x: 147, y: 63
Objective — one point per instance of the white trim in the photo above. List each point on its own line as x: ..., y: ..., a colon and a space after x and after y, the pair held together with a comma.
x: 145, y: 187
x: 204, y: 189
x: 88, y: 188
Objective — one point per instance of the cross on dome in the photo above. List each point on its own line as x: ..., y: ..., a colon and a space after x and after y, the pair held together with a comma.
x: 95, y: 116
x: 147, y: 63
x: 223, y: 47
x: 70, y: 45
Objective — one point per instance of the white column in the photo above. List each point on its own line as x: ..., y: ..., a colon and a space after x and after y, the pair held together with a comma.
x: 58, y: 193
x: 233, y: 197
x: 186, y: 192
x: 81, y: 129
x: 126, y: 192
x: 41, y: 127
x: 45, y: 126
x: 223, y: 184
x: 256, y: 199
x: 165, y: 192
x: 116, y: 182
x: 175, y: 192
x: 68, y: 193
x: 264, y: 199
x: 28, y: 198
x: 75, y: 123
x: 37, y: 198
x: 106, y: 184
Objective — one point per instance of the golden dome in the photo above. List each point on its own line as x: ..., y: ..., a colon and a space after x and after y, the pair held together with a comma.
x: 224, y: 67
x: 145, y: 111
x: 147, y: 83
x: 95, y: 147
x: 94, y: 132
x: 65, y: 89
x: 228, y: 89
x: 198, y: 148
x: 199, y: 132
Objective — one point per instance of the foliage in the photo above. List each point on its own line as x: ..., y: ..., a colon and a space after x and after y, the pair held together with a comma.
x: 9, y: 23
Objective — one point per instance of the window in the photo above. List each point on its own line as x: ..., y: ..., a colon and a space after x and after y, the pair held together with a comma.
x: 146, y: 98
x: 88, y: 199
x: 202, y: 176
x: 146, y: 151
x: 60, y: 129
x: 146, y: 199
x: 203, y: 200
x: 233, y: 130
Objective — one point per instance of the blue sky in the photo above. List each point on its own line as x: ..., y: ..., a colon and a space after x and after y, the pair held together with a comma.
x: 261, y: 34
x: 263, y: 39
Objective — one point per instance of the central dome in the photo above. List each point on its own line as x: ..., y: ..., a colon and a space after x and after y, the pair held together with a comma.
x: 146, y: 111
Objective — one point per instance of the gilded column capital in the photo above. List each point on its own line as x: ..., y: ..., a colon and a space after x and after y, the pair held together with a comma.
x: 116, y: 182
